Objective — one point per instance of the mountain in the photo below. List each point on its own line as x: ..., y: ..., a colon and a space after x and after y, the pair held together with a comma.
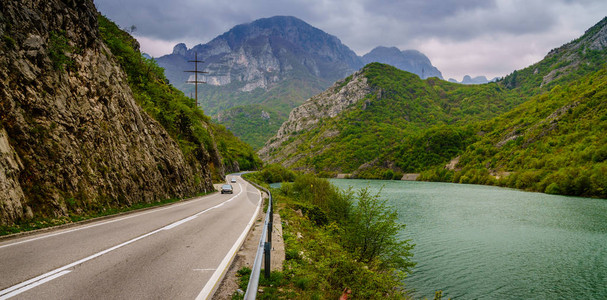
x: 407, y: 60
x: 363, y: 122
x: 88, y: 124
x: 261, y: 53
x: 275, y: 62
x: 540, y: 128
x: 476, y: 80
x: 554, y: 143
x: 272, y: 65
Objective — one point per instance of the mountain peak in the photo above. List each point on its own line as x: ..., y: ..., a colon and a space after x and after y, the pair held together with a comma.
x: 407, y: 60
x: 180, y: 49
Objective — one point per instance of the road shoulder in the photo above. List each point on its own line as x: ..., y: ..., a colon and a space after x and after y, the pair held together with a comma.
x: 246, y: 256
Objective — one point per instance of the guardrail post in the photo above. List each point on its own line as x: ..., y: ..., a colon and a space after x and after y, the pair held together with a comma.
x: 267, y: 248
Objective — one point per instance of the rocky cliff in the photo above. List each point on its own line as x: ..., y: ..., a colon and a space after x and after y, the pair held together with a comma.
x: 264, y: 52
x: 72, y: 137
x: 328, y: 104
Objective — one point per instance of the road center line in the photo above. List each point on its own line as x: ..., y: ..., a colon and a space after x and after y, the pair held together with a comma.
x: 103, y: 223
x: 33, y: 285
x: 19, y: 288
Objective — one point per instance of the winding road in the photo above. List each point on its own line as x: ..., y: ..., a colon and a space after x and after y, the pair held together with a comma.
x: 178, y: 251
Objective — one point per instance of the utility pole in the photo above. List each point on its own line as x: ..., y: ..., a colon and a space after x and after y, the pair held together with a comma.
x: 196, y: 72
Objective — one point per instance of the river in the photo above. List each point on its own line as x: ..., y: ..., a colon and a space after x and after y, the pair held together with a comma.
x: 483, y: 242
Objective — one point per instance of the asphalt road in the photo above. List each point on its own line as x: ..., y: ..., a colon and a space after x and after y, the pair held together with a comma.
x: 172, y: 252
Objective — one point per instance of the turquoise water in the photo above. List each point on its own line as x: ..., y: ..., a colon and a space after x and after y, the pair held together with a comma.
x: 481, y: 242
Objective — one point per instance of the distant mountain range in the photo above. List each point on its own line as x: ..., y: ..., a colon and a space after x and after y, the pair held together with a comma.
x: 268, y: 67
x: 474, y: 80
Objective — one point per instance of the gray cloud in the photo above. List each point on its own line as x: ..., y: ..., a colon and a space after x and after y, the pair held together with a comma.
x: 476, y: 37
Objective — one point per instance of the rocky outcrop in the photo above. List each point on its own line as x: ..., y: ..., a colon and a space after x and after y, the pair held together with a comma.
x: 328, y: 104
x: 73, y: 138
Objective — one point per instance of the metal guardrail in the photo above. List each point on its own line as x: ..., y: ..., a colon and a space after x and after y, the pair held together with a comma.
x: 263, y: 249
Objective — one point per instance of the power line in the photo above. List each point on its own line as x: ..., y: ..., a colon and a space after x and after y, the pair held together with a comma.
x: 196, y: 72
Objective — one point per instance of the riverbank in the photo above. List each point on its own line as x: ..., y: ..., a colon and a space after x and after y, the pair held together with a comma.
x: 325, y: 239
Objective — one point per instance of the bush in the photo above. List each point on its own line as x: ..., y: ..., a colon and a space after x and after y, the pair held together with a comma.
x: 276, y: 173
x: 320, y: 192
x: 372, y: 234
x: 553, y: 188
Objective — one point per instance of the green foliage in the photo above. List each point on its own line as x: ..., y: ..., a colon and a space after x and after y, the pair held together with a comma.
x: 234, y: 151
x: 411, y: 123
x: 372, y: 231
x: 320, y: 193
x: 320, y: 224
x: 554, y: 143
x: 58, y: 50
x: 274, y: 173
x: 179, y: 115
x: 253, y: 123
x: 9, y: 42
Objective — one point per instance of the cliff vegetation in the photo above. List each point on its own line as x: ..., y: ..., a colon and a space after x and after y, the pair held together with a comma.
x: 88, y: 126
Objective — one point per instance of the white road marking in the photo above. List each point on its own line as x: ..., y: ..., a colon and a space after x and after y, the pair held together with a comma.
x: 32, y: 285
x: 225, y: 263
x: 17, y: 289
x: 102, y: 223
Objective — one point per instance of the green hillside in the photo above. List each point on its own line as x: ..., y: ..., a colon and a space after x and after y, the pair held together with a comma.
x: 554, y: 143
x: 393, y: 127
x: 253, y: 123
x: 178, y: 114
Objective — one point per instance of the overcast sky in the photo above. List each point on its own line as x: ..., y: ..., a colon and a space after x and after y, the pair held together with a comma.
x: 474, y: 37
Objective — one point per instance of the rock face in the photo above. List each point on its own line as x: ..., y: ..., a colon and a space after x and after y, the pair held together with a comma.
x: 328, y: 104
x: 407, y: 60
x: 263, y: 52
x: 72, y: 137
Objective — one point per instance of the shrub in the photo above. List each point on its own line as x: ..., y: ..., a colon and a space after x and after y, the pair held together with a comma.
x: 372, y: 234
x: 553, y: 188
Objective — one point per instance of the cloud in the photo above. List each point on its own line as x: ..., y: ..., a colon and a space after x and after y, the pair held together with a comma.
x: 476, y: 37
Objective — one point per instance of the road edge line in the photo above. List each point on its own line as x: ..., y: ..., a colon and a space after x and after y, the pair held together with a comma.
x: 222, y: 269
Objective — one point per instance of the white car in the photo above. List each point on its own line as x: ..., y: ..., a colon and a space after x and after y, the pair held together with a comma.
x: 233, y: 180
x: 227, y: 189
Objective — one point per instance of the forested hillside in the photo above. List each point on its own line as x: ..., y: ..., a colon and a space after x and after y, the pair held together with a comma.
x: 399, y: 123
x: 554, y: 143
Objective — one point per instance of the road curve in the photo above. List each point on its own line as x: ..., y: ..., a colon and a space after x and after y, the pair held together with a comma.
x: 172, y: 252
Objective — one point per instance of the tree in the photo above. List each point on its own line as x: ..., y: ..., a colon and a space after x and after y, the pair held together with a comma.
x: 373, y: 231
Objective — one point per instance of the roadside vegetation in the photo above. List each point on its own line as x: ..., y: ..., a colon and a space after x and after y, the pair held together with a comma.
x: 335, y: 242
